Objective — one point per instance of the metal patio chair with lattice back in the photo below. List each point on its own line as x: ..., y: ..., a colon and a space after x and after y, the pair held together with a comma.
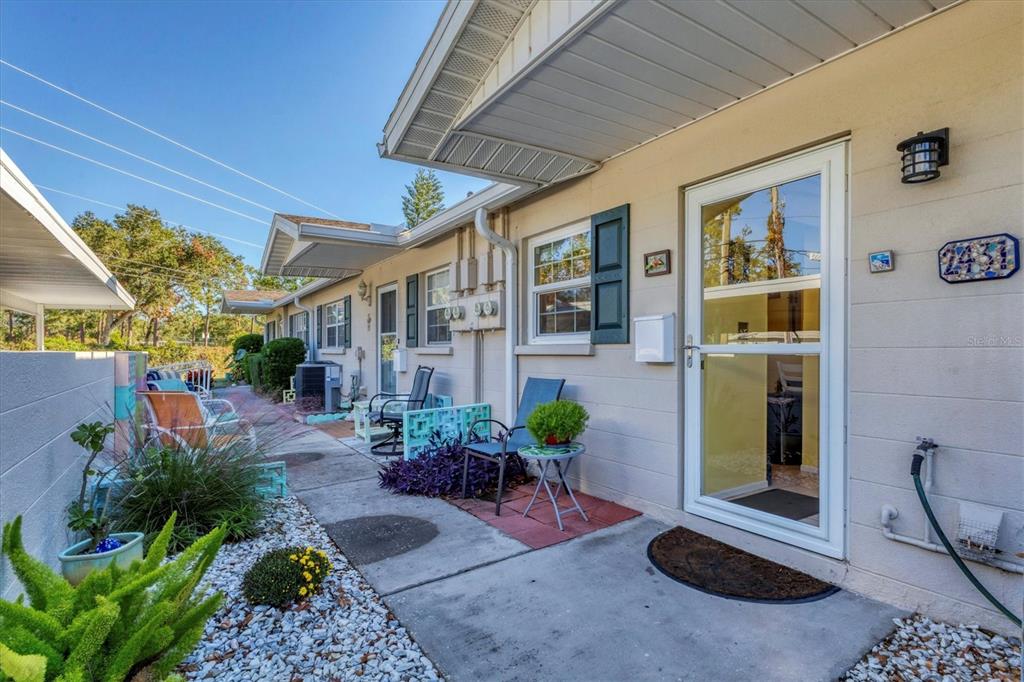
x: 509, y: 440
x: 389, y: 411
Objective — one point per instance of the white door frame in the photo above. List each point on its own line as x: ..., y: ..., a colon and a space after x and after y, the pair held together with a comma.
x: 381, y: 290
x: 828, y: 537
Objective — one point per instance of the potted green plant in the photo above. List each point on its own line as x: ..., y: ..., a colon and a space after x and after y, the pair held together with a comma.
x: 557, y: 422
x: 101, y: 548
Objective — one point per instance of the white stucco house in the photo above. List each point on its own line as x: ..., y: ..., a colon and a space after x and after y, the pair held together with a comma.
x: 767, y: 244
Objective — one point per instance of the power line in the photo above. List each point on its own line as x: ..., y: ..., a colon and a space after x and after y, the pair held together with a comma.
x: 125, y: 208
x: 188, y: 273
x: 161, y: 136
x: 135, y: 156
x: 132, y: 175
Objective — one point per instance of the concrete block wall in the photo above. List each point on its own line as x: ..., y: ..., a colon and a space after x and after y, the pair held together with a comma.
x: 43, y: 397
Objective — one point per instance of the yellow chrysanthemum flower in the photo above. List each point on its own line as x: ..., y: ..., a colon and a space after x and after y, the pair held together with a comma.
x: 307, y: 575
x: 302, y: 591
x: 294, y: 557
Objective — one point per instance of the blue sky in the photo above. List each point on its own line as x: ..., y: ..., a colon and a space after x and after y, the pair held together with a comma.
x: 295, y: 94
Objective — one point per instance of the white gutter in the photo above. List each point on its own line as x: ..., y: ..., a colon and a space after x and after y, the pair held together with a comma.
x: 511, y: 310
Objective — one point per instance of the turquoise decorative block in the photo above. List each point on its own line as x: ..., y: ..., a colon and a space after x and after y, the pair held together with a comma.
x: 450, y: 422
x: 273, y: 480
x: 434, y: 401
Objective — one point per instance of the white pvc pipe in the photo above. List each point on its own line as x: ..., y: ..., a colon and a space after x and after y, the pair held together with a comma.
x: 928, y: 453
x: 889, y: 513
x: 40, y: 327
x: 511, y: 310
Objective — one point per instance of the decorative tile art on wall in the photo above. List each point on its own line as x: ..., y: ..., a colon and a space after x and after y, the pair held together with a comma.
x: 995, y: 256
x: 450, y: 422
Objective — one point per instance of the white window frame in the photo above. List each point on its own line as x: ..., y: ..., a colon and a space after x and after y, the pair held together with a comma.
x: 427, y: 307
x: 305, y: 330
x: 828, y: 538
x: 533, y: 290
x: 340, y: 326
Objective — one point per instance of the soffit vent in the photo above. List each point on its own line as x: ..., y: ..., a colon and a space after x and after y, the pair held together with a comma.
x: 430, y: 135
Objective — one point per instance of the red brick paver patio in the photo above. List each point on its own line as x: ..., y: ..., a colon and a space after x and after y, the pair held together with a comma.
x: 539, y: 528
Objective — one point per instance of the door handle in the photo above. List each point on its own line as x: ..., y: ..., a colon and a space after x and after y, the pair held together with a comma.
x: 689, y: 348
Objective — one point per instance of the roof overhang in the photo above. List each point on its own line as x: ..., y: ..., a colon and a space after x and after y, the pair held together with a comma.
x: 323, y: 250
x: 42, y: 261
x: 557, y: 89
x: 246, y: 306
x: 292, y: 249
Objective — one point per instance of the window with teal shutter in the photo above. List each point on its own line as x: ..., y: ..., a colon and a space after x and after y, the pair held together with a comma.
x: 347, y: 329
x: 412, y: 311
x: 319, y: 326
x: 609, y: 271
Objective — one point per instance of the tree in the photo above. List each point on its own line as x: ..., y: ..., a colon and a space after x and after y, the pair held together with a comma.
x: 423, y: 198
x: 149, y: 258
x: 217, y: 269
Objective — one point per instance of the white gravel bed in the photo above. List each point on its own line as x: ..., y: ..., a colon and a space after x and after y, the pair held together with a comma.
x: 924, y: 650
x: 344, y: 632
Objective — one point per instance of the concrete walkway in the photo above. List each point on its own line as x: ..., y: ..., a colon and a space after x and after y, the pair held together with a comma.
x: 484, y: 606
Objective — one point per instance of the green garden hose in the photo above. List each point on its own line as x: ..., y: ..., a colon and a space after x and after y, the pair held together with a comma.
x: 915, y: 472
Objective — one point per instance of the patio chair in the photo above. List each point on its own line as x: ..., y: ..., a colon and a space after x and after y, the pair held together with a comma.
x: 391, y: 407
x: 509, y: 441
x: 180, y: 418
x: 791, y: 376
x: 166, y: 380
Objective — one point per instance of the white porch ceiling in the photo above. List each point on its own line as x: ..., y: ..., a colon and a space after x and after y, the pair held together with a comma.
x: 623, y: 73
x: 42, y: 260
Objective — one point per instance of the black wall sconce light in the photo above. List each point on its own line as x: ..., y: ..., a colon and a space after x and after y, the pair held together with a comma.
x: 923, y: 154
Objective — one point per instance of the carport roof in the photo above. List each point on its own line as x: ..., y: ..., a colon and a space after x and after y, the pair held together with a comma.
x: 540, y: 92
x: 42, y: 261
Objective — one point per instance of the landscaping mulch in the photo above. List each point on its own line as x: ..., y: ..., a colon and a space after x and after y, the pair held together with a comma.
x: 720, y: 569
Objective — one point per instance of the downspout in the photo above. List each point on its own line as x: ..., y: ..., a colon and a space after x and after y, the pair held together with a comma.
x: 40, y: 327
x: 511, y: 310
x: 310, y: 328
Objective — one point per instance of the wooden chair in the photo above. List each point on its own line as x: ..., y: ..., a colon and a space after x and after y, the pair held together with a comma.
x: 180, y: 418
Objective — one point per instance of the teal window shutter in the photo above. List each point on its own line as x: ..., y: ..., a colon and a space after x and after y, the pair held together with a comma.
x: 609, y: 272
x: 347, y: 306
x: 412, y: 311
x: 319, y: 326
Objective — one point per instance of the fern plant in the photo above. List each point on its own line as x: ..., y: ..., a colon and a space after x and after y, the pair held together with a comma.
x: 114, y: 625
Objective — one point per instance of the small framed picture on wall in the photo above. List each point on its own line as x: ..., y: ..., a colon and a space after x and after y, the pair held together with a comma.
x: 881, y: 261
x: 657, y: 263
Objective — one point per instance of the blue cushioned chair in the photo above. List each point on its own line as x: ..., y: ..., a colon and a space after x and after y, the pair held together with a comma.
x: 509, y: 441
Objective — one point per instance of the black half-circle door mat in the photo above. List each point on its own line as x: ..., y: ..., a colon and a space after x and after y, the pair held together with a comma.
x: 725, y: 571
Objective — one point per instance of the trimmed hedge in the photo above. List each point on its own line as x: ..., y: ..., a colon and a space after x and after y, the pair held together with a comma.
x: 280, y: 357
x: 254, y: 370
x: 251, y: 344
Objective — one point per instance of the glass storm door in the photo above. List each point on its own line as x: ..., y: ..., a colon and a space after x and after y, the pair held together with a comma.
x: 763, y: 356
x: 387, y: 335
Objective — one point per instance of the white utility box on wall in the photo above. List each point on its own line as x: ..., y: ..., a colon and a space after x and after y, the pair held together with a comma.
x: 654, y: 338
x: 400, y: 360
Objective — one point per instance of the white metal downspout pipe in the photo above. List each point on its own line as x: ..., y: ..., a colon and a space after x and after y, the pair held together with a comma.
x: 511, y: 310
x: 40, y: 327
x: 310, y: 328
